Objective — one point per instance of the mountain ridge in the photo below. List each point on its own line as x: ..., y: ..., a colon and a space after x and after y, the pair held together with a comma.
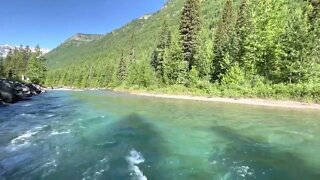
x: 82, y: 37
x: 144, y: 30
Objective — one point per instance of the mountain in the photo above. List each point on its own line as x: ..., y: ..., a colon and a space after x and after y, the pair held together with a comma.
x: 141, y: 33
x: 4, y: 49
x: 80, y: 38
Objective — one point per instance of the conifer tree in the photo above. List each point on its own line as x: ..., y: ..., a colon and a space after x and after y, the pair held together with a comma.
x: 132, y: 54
x: 122, y: 69
x: 313, y: 58
x: 1, y: 67
x: 158, y: 54
x: 203, y: 56
x: 315, y: 13
x: 242, y: 31
x: 189, y: 29
x: 10, y: 64
x: 36, y: 70
x: 222, y: 42
x: 175, y: 68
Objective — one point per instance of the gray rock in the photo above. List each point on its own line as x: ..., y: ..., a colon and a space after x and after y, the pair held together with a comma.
x: 13, y: 91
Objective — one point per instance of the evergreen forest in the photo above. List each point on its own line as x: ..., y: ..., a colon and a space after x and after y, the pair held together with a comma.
x: 227, y: 48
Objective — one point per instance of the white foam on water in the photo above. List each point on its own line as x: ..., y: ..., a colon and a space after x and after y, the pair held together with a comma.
x: 55, y: 133
x: 134, y: 159
x: 24, y: 139
x: 94, y: 172
x: 244, y: 171
x: 51, y: 163
x: 27, y: 115
x: 98, y: 173
x: 50, y: 167
x: 49, y: 115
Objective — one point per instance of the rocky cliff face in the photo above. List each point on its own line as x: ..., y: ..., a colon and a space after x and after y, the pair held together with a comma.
x: 79, y: 37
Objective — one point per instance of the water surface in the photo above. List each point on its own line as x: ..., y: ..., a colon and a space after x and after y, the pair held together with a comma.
x: 107, y: 135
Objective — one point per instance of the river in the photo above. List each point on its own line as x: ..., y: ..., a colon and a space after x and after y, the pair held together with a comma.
x: 108, y: 135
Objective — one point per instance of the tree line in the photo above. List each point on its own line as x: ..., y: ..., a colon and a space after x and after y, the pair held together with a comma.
x: 25, y: 62
x: 258, y: 48
x: 275, y: 41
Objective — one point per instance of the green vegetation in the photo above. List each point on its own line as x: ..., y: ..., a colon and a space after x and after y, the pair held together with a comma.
x: 243, y: 48
x: 23, y: 62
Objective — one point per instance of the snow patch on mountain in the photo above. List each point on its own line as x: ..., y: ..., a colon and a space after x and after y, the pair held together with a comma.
x: 5, y: 48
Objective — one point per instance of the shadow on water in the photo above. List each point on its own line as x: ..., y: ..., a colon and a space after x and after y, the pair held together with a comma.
x: 135, y: 133
x: 121, y: 150
x: 246, y: 158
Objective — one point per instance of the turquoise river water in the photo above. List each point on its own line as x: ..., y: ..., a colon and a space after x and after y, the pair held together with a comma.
x: 106, y: 135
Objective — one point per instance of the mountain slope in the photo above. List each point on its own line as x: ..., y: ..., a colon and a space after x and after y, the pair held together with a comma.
x: 141, y: 33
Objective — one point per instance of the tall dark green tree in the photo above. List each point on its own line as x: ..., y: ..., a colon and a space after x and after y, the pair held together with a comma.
x: 175, y: 68
x: 132, y: 53
x: 159, y: 52
x: 12, y: 63
x: 122, y: 69
x: 203, y: 56
x: 189, y: 29
x: 222, y: 42
x: 241, y: 33
x: 1, y: 66
x: 315, y: 13
x: 313, y: 57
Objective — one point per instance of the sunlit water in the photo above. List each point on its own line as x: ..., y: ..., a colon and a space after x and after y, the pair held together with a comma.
x: 106, y: 135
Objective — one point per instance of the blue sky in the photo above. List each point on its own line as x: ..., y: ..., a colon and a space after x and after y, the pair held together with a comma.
x: 50, y: 22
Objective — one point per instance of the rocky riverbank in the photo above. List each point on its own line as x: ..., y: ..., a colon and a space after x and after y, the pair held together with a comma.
x: 14, y: 91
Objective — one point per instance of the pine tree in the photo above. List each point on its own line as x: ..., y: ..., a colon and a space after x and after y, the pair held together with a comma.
x: 315, y: 13
x: 158, y: 54
x: 122, y: 69
x: 189, y: 29
x: 203, y: 56
x: 222, y: 42
x: 241, y: 32
x: 174, y: 67
x: 36, y: 70
x: 1, y: 67
x: 132, y: 54
x: 313, y: 58
x: 26, y: 55
x: 11, y: 64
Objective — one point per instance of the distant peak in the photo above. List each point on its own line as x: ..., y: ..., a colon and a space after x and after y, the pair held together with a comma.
x: 81, y: 37
x: 145, y: 17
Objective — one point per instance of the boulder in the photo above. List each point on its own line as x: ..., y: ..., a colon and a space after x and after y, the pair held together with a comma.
x: 7, y: 93
x: 34, y: 89
x: 13, y: 91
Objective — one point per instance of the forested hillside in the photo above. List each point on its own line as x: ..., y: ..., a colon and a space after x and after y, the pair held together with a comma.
x: 241, y: 48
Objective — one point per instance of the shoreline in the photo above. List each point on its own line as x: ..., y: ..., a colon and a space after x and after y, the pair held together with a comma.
x: 243, y: 101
